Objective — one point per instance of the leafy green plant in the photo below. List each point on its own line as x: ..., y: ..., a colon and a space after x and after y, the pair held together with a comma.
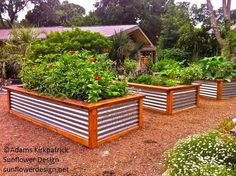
x: 189, y: 74
x: 156, y: 81
x: 75, y: 40
x: 130, y: 67
x: 165, y: 64
x: 207, y: 154
x: 145, y: 79
x: 217, y: 67
x: 76, y: 75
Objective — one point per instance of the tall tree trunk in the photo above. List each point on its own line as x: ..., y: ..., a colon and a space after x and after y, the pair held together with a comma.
x: 226, y: 10
x: 226, y: 13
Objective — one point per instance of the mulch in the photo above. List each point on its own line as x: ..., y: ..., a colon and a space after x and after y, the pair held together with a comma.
x: 139, y: 153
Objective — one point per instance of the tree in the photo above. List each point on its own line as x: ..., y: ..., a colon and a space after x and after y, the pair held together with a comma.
x: 179, y: 31
x: 175, y: 22
x: 144, y: 12
x: 62, y: 14
x: 43, y: 15
x: 88, y: 20
x: 11, y: 8
x: 66, y: 12
x: 226, y: 4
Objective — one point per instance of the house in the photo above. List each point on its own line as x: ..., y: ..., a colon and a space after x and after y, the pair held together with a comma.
x: 134, y: 31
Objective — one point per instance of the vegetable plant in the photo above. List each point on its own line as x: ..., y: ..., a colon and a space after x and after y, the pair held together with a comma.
x: 168, y: 72
x: 77, y: 75
x: 218, y: 67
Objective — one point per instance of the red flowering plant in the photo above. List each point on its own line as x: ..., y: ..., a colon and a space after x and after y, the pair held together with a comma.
x: 74, y: 76
x: 71, y: 52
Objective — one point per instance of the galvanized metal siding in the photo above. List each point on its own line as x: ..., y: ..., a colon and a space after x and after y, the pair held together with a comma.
x: 153, y: 99
x: 185, y: 98
x: 229, y: 89
x: 116, y: 118
x: 208, y: 88
x: 71, y: 120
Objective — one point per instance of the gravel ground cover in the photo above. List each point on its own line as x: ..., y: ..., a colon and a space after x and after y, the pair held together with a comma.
x: 139, y: 153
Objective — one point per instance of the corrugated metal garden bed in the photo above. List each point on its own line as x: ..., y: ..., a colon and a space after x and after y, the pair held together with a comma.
x: 90, y: 124
x: 168, y: 100
x: 217, y: 89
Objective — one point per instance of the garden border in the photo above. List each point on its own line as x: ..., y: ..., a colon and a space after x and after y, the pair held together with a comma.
x: 99, y: 119
x: 168, y: 100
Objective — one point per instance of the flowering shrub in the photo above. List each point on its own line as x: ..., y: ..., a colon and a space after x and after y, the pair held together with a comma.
x: 77, y: 75
x: 206, y: 154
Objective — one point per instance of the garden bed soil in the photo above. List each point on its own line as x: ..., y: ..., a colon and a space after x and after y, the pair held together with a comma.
x: 139, y: 153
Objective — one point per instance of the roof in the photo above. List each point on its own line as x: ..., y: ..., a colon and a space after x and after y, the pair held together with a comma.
x: 107, y: 31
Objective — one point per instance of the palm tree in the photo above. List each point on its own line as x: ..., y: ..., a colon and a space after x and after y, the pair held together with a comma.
x: 15, y: 50
x: 122, y: 48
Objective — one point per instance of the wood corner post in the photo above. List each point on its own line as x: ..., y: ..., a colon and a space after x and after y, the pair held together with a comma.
x: 140, y: 112
x: 219, y: 89
x: 197, y: 95
x: 169, y: 103
x: 8, y: 101
x: 93, y: 128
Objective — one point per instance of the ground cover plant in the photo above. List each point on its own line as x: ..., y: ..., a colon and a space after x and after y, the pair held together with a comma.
x: 212, y: 153
x: 218, y: 67
x: 169, y: 73
x: 77, y: 75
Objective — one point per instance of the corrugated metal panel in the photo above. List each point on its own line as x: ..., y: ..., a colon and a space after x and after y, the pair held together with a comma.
x: 72, y: 120
x: 116, y: 118
x: 153, y: 99
x: 184, y: 98
x: 229, y: 89
x: 208, y: 88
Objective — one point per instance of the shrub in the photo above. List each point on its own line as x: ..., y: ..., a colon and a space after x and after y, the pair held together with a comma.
x: 232, y: 42
x: 206, y: 154
x: 217, y: 67
x: 165, y: 64
x: 75, y: 40
x: 130, y: 66
x: 189, y: 74
x: 77, y: 75
x: 226, y: 126
x: 176, y: 54
x: 145, y: 79
x: 169, y: 68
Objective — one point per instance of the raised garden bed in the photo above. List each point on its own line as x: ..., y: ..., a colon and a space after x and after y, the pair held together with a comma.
x: 217, y: 89
x: 168, y: 100
x: 90, y: 124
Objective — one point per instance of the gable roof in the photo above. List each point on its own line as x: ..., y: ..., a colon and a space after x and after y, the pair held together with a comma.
x: 107, y: 31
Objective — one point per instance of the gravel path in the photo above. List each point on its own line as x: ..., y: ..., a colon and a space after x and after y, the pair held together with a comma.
x: 139, y: 153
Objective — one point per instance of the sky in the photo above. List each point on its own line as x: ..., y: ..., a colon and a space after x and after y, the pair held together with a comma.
x: 88, y: 5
